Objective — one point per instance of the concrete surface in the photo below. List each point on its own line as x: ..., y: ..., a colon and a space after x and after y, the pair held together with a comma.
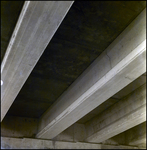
x: 115, y: 98
x: 35, y: 28
x: 75, y: 133
x: 20, y: 127
x: 126, y: 137
x: 85, y: 32
x: 64, y: 59
x: 28, y: 143
x: 93, y: 86
x: 13, y: 126
x: 125, y: 114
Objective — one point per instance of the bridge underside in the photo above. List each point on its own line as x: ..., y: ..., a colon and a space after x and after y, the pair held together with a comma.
x: 74, y: 74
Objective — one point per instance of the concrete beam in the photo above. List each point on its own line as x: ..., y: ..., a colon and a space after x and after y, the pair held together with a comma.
x: 75, y: 133
x: 125, y: 114
x: 125, y: 138
x: 137, y: 135
x: 138, y: 141
x: 36, y: 26
x: 120, y: 64
x: 19, y: 127
x: 28, y: 143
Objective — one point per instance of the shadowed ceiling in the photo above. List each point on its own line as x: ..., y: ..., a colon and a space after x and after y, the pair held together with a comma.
x: 87, y: 30
x: 10, y: 11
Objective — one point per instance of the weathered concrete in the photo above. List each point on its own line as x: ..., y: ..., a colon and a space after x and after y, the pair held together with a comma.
x: 75, y: 133
x: 125, y: 114
x: 110, y: 70
x: 137, y: 135
x: 117, y: 147
x: 114, y: 99
x: 126, y: 137
x: 36, y: 26
x: 131, y: 87
x: 139, y: 140
x: 27, y: 143
x: 18, y: 127
x: 13, y: 126
x: 42, y: 75
x: 96, y: 24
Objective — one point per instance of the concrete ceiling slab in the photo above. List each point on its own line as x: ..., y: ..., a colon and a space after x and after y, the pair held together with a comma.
x: 85, y: 32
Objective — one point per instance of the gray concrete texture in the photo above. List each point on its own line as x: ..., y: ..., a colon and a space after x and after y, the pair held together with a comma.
x: 75, y: 45
x: 28, y: 143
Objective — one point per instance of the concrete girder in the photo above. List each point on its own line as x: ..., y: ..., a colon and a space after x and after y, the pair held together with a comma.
x: 125, y: 114
x: 36, y: 26
x: 120, y: 64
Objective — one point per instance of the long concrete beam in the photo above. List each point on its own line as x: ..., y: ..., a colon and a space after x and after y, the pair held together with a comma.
x: 139, y: 141
x: 36, y: 26
x: 29, y: 143
x: 120, y: 64
x: 137, y: 135
x: 125, y: 114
